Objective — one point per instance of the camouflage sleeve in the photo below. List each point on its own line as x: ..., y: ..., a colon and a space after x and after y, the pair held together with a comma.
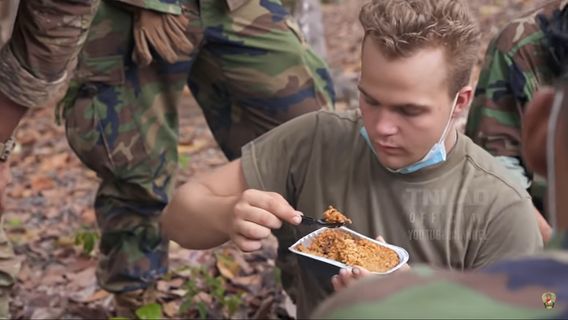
x: 493, y: 121
x: 46, y: 39
x: 511, y: 73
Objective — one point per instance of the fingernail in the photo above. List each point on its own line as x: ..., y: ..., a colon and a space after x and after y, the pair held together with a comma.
x: 356, y: 271
x: 297, y: 219
x: 300, y: 213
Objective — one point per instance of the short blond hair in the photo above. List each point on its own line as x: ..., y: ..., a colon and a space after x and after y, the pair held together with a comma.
x: 402, y: 27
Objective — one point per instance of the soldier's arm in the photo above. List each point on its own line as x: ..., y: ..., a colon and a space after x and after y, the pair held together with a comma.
x: 47, y: 37
x: 11, y: 115
x: 198, y: 216
x: 511, y: 232
x: 494, y: 120
x: 219, y: 206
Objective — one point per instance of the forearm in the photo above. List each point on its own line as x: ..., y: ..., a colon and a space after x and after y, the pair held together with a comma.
x: 198, y: 219
x: 11, y: 113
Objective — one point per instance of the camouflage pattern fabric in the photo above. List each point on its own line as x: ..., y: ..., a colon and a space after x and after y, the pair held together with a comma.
x: 517, y: 63
x: 8, y: 9
x: 505, y: 290
x: 251, y: 71
x: 29, y: 73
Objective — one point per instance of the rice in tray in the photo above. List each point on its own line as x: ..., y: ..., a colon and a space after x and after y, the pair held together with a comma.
x: 336, y: 244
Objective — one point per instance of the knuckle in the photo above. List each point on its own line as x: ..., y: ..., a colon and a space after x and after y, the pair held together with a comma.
x: 239, y: 209
x: 249, y: 193
x: 249, y: 231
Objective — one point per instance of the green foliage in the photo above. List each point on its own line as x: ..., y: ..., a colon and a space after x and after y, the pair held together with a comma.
x: 149, y: 311
x: 14, y: 223
x: 183, y: 161
x: 87, y: 239
x: 201, y: 280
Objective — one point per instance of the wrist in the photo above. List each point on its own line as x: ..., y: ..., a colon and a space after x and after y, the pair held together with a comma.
x: 11, y: 113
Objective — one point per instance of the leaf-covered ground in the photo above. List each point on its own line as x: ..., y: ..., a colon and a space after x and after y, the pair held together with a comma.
x: 51, y: 222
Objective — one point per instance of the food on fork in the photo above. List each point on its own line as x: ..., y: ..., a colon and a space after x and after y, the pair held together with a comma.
x: 334, y: 216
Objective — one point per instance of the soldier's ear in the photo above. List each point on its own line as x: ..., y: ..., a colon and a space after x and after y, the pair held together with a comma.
x: 463, y: 101
x: 535, y: 128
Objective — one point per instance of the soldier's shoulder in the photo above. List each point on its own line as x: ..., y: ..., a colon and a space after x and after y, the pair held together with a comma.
x: 510, y: 289
x: 525, y: 30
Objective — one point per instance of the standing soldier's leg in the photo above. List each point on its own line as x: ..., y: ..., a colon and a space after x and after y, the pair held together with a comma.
x: 255, y: 72
x: 122, y: 122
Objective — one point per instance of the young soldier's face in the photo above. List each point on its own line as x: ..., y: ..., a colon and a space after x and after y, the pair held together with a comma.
x: 405, y: 103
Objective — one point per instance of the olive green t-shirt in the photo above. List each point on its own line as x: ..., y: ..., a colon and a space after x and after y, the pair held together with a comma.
x: 461, y: 214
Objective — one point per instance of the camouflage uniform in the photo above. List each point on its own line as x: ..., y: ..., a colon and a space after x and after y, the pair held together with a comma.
x: 250, y: 71
x: 505, y: 290
x: 517, y: 63
x: 8, y: 10
x: 30, y: 74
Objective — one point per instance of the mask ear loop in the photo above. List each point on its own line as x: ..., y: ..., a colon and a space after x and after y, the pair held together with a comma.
x: 448, y: 125
x: 550, y: 159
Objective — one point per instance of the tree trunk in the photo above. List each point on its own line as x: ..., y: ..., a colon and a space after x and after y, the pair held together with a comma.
x: 308, y: 15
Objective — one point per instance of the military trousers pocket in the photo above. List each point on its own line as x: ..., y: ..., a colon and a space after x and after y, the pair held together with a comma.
x: 103, y: 130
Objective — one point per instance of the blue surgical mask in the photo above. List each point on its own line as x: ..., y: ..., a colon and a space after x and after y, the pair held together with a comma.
x: 437, y: 154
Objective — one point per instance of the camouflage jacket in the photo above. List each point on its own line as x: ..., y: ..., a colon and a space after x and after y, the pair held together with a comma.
x: 517, y: 63
x: 509, y: 289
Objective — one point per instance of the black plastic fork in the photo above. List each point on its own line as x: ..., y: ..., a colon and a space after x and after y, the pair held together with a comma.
x: 310, y: 221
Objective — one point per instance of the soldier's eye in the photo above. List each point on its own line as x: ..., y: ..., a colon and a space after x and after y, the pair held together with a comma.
x: 371, y: 102
x: 411, y: 111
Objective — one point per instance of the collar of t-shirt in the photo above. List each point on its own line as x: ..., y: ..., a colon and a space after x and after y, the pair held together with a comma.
x: 454, y: 157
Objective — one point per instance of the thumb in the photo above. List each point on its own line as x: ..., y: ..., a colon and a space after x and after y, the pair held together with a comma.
x: 360, y: 272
